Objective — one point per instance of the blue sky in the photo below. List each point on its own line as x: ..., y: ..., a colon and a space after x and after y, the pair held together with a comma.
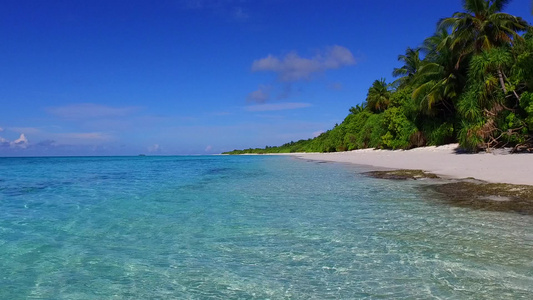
x: 195, y: 76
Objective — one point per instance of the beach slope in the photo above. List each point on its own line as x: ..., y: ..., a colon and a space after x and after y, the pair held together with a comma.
x: 446, y: 161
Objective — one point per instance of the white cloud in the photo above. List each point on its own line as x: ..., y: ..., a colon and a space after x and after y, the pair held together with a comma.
x: 90, y: 111
x: 277, y: 106
x: 265, y: 93
x: 261, y: 95
x: 46, y: 143
x: 21, y: 142
x: 76, y: 138
x: 208, y: 148
x: 293, y: 67
x: 87, y: 136
x: 154, y: 148
x: 1, y: 129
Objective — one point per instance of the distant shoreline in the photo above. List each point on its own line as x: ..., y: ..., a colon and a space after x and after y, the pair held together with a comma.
x: 444, y: 161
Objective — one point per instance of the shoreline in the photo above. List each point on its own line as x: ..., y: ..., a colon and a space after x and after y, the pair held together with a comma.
x: 444, y: 161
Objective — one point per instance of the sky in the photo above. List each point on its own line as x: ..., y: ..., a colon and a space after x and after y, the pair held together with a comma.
x: 176, y: 77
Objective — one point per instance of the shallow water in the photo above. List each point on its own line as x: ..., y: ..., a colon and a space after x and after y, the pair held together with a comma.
x: 225, y: 227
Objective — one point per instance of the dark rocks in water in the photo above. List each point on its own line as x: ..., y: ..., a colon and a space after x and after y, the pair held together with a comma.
x: 469, y: 192
x: 486, y: 196
x: 401, y: 174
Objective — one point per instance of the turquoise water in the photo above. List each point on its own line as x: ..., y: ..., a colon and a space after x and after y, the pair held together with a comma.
x: 224, y: 227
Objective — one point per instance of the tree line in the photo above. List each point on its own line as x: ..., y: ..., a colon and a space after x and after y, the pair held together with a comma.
x: 471, y: 82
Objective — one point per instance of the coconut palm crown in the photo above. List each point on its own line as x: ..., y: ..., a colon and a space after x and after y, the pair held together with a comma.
x: 483, y: 26
x: 378, y: 97
x: 412, y: 61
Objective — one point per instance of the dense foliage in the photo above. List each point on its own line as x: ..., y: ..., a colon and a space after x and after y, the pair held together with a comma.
x: 471, y: 83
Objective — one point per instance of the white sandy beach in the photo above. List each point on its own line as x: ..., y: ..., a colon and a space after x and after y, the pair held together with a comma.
x: 443, y: 161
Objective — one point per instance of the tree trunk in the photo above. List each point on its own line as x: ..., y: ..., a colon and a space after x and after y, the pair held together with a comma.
x: 514, y: 92
x: 502, y: 82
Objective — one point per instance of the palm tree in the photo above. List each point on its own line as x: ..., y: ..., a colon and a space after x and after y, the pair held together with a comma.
x: 378, y: 97
x: 489, y: 67
x: 437, y: 45
x: 440, y: 78
x: 411, y: 64
x: 484, y: 35
x: 357, y: 109
x: 482, y: 26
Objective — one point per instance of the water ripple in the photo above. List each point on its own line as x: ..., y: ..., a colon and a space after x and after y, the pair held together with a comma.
x: 245, y: 227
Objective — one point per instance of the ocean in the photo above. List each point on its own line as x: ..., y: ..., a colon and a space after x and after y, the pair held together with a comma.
x: 245, y: 227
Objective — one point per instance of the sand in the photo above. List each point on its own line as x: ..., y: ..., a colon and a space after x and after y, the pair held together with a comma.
x: 445, y: 161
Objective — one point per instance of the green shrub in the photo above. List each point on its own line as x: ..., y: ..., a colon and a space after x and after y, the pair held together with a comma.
x: 399, y: 129
x: 437, y: 133
x: 371, y: 132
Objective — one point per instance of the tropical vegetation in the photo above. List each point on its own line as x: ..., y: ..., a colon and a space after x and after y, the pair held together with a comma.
x: 471, y: 82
